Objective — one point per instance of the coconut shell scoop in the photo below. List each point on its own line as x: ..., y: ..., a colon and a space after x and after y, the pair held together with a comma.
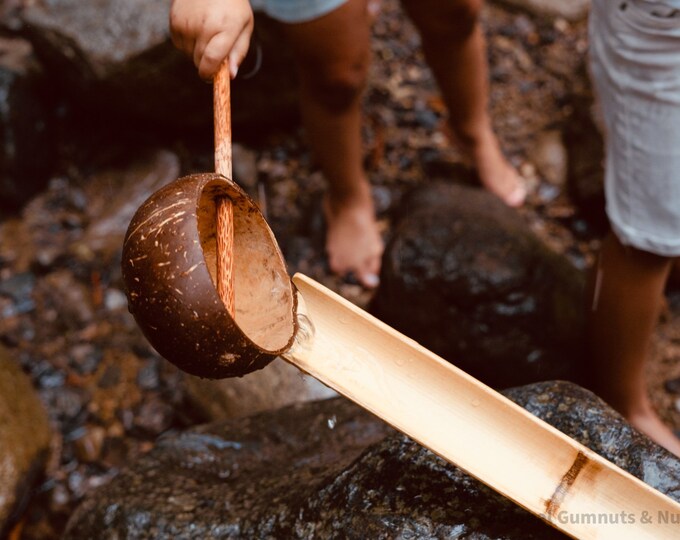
x: 211, y: 294
x: 208, y: 286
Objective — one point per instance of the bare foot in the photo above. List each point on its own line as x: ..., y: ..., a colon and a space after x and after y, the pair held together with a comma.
x: 496, y: 173
x: 353, y: 242
x: 651, y: 425
x: 493, y: 169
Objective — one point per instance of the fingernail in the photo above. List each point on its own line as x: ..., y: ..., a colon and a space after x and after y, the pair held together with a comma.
x: 233, y: 67
x: 371, y: 280
x: 373, y: 7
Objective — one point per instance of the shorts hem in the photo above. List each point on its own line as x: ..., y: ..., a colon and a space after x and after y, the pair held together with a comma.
x: 296, y: 12
x: 663, y: 247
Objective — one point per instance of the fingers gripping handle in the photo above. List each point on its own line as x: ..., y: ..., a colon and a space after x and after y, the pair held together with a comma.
x: 223, y: 166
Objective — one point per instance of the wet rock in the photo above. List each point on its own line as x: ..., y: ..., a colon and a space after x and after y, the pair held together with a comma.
x: 295, y: 473
x: 574, y: 10
x: 673, y: 385
x: 24, y: 439
x: 51, y: 222
x: 115, y: 300
x: 19, y: 290
x: 588, y: 419
x: 129, y: 69
x: 464, y: 276
x: 84, y: 358
x: 88, y: 445
x: 26, y: 140
x: 301, y: 445
x: 114, y: 195
x: 153, y: 417
x: 148, y: 377
x: 550, y: 157
x: 63, y: 302
x: 271, y: 388
x: 64, y: 403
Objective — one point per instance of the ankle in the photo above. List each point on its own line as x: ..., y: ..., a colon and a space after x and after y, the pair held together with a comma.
x: 471, y: 137
x: 358, y: 194
x: 637, y: 409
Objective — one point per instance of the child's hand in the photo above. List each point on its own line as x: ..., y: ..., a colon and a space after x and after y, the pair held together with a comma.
x: 210, y: 31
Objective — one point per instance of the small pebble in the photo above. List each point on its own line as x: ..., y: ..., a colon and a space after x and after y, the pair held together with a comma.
x: 673, y: 386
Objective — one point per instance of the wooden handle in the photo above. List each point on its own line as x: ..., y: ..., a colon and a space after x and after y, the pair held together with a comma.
x: 223, y: 166
x: 471, y: 425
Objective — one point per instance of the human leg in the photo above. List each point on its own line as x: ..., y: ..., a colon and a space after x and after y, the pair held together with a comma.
x: 332, y: 55
x: 638, y: 84
x: 455, y: 49
x: 624, y: 304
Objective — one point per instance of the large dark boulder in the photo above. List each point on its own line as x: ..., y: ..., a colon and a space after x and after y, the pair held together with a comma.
x: 466, y: 277
x: 115, y: 58
x: 331, y: 470
x: 26, y: 140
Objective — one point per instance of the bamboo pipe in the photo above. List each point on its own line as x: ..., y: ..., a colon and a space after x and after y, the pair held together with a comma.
x: 470, y: 425
x: 223, y: 166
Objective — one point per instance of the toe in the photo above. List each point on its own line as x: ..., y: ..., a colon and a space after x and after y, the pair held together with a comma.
x: 517, y: 197
x: 369, y: 280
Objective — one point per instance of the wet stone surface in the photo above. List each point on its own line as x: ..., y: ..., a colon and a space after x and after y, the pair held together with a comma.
x: 324, y: 470
x: 465, y: 276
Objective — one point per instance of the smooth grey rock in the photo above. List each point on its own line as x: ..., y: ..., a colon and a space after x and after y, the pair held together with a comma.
x: 550, y: 157
x: 108, y: 55
x: 26, y: 140
x: 115, y: 57
x: 278, y: 385
x: 24, y: 439
x: 572, y: 10
x: 331, y: 470
x: 465, y: 276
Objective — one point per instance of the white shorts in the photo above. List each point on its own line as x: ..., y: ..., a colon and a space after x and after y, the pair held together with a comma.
x: 295, y: 11
x: 635, y: 64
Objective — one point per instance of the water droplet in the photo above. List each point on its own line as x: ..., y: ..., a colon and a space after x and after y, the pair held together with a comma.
x: 332, y: 421
x: 475, y: 402
x: 305, y: 331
